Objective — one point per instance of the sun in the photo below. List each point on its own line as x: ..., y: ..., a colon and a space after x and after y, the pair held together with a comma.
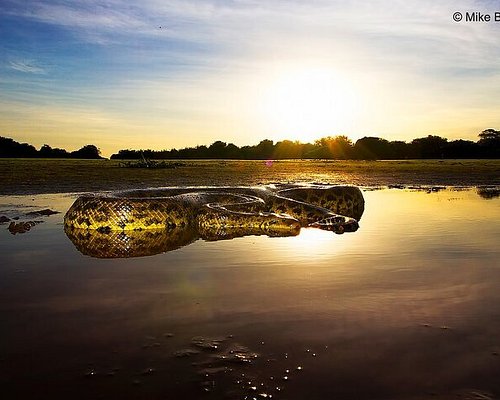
x: 308, y: 103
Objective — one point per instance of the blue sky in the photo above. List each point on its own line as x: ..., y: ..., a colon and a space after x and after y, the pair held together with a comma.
x: 163, y: 74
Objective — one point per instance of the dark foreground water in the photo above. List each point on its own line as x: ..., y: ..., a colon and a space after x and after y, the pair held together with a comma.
x: 407, y: 307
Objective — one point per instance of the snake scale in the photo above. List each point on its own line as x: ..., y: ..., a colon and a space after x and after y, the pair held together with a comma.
x: 133, y: 222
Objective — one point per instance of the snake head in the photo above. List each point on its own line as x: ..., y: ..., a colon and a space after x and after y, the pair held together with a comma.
x: 336, y: 223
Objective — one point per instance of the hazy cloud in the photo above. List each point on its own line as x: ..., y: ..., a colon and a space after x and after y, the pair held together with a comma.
x: 210, y: 61
x: 28, y: 66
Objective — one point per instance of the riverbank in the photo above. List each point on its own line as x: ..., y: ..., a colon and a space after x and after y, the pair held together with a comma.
x: 32, y: 176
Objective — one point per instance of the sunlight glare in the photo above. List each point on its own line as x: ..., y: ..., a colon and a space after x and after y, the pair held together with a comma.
x: 311, y: 242
x: 308, y: 103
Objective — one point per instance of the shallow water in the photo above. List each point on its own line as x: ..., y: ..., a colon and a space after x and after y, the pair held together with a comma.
x: 407, y: 307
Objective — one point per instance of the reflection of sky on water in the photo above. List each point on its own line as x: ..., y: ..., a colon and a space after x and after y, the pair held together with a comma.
x: 406, y: 305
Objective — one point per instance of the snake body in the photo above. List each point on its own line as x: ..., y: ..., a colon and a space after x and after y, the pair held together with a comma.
x: 212, y: 213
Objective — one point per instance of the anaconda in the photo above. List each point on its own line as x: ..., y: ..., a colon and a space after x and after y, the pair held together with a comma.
x: 127, y: 218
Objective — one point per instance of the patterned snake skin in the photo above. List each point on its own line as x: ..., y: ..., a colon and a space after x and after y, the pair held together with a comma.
x: 144, y: 222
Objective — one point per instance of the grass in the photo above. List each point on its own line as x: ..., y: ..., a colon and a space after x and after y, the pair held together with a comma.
x: 30, y: 176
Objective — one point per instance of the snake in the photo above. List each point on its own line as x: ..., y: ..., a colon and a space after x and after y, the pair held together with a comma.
x: 133, y: 222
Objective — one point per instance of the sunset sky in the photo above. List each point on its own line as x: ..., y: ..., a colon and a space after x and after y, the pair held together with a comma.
x: 161, y: 74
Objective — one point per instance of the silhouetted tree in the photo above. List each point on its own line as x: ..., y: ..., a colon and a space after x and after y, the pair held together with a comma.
x: 287, y: 149
x: 461, y: 149
x: 201, y: 152
x: 264, y: 150
x: 88, y: 151
x: 11, y: 148
x: 429, y: 147
x: 401, y: 150
x: 217, y: 149
x: 489, y: 135
x: 45, y: 151
x: 338, y: 147
x: 373, y: 148
x: 489, y: 143
x: 232, y: 151
x: 246, y: 152
x: 48, y: 152
x: 126, y: 155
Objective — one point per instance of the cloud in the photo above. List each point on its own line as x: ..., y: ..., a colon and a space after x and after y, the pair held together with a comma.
x: 211, y: 60
x: 27, y: 66
x: 381, y: 36
x: 233, y: 25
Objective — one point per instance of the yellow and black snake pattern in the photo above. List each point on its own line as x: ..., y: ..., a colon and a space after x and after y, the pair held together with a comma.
x: 149, y: 221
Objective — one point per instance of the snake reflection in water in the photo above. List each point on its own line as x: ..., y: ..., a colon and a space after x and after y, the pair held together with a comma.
x: 143, y: 222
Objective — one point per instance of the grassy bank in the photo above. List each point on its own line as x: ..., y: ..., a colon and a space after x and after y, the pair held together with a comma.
x: 26, y: 176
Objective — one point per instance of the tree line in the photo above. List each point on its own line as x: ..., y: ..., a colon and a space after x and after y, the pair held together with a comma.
x: 337, y: 147
x: 10, y: 148
x: 330, y: 147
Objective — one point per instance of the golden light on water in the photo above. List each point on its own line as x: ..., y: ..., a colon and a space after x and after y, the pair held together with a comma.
x: 310, y: 243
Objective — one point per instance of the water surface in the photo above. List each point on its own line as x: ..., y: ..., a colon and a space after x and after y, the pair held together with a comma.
x: 407, y: 307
